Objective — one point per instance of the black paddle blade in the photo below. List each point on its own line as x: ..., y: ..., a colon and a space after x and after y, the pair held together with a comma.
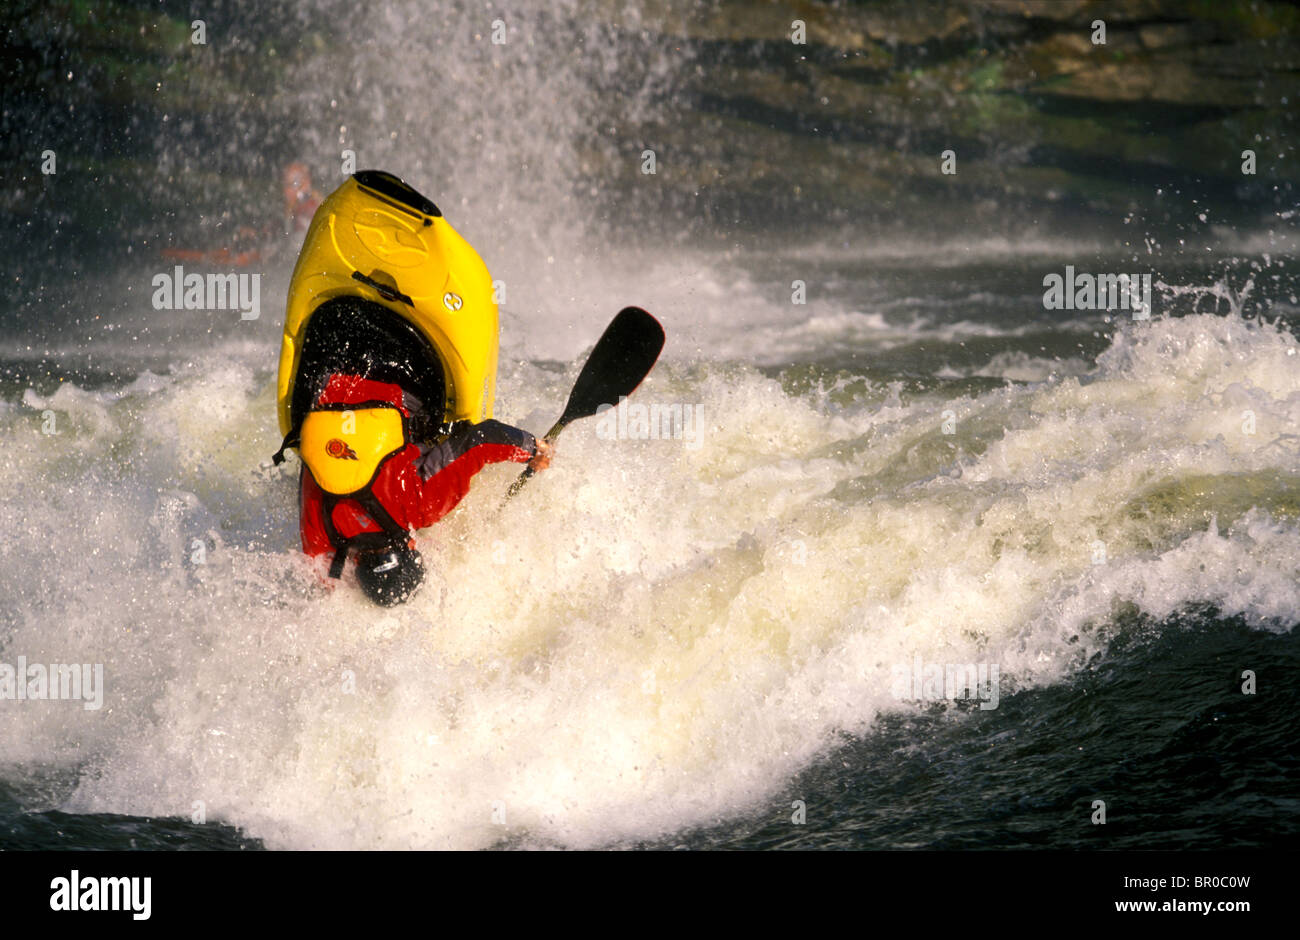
x: 622, y: 358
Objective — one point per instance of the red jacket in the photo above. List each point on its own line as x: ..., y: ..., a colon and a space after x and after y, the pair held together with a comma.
x: 417, y: 485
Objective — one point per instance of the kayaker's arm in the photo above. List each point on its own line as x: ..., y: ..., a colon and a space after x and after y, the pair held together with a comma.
x: 478, y: 445
x: 444, y: 471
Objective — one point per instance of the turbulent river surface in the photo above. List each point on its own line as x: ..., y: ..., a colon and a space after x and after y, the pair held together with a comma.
x: 892, y: 457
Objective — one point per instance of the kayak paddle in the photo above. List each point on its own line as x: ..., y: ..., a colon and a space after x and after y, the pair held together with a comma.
x: 623, y: 356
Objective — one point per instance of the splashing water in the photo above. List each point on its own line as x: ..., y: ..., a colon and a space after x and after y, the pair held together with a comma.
x: 660, y: 632
x: 657, y: 634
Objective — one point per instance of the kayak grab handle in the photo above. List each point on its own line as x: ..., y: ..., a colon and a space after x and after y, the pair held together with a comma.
x: 388, y: 293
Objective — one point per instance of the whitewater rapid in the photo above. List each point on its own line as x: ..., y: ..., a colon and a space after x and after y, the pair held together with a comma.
x: 654, y: 636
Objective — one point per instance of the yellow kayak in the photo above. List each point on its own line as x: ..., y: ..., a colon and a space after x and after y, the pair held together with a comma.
x: 386, y: 288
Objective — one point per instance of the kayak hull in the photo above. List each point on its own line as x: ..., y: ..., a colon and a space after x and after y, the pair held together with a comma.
x: 379, y: 246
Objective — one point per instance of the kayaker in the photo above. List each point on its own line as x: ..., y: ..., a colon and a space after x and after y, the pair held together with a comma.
x: 387, y: 377
x: 357, y: 431
x: 301, y: 200
x: 252, y: 244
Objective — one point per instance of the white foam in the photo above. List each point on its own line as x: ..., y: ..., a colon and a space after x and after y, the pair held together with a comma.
x: 650, y: 637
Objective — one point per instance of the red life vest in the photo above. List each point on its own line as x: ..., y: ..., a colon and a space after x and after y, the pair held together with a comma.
x: 393, y: 499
